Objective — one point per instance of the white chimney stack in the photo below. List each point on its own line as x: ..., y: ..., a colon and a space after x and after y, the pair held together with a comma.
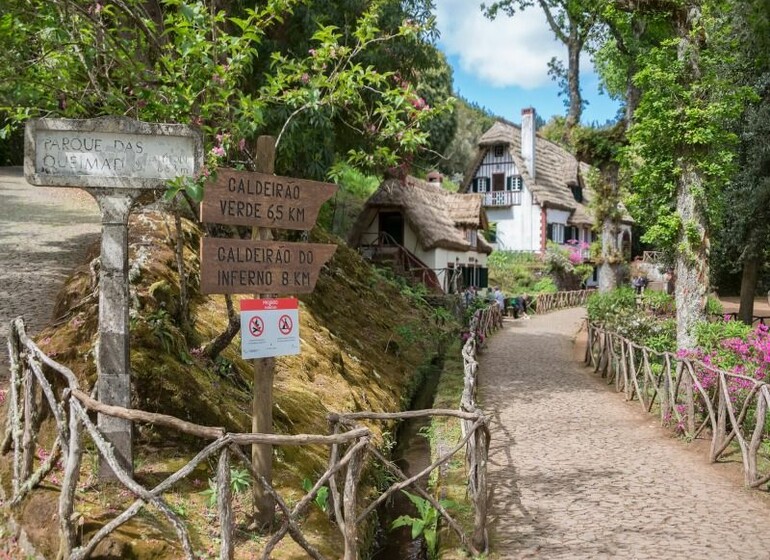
x: 528, y: 139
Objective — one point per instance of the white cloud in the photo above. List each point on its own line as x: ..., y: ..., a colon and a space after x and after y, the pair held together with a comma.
x: 508, y: 51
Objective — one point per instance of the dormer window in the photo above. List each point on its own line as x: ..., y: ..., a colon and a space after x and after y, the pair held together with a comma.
x: 577, y: 192
x: 499, y: 150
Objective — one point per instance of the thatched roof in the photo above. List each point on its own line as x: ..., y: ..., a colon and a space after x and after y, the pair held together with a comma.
x: 556, y: 171
x: 435, y: 215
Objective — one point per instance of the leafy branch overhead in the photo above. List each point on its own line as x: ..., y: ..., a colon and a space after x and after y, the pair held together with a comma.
x: 225, y: 71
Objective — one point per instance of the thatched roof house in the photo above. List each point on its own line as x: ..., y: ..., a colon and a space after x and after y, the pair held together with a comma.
x: 439, y: 229
x: 533, y: 189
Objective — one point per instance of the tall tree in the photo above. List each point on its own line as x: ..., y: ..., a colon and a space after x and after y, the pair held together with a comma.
x: 744, y: 237
x: 681, y: 150
x: 573, y: 22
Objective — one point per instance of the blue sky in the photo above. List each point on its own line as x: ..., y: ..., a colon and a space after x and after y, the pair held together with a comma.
x: 503, y: 64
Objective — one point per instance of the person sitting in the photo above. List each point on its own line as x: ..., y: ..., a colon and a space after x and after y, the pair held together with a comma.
x: 524, y: 301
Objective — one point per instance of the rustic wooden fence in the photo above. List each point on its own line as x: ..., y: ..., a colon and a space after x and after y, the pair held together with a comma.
x: 31, y: 390
x: 692, y: 396
x: 560, y: 300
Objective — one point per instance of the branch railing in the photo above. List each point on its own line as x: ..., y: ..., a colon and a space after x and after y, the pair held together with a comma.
x: 694, y: 397
x: 561, y: 300
x: 350, y: 447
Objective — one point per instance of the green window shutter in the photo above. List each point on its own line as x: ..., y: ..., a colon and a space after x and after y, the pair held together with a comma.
x: 483, y: 278
x: 509, y: 183
x: 549, y: 232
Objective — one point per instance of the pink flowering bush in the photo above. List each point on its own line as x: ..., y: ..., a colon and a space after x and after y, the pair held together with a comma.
x: 734, y: 348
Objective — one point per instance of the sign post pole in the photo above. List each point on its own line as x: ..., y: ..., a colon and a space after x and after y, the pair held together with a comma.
x: 112, y: 349
x: 264, y: 372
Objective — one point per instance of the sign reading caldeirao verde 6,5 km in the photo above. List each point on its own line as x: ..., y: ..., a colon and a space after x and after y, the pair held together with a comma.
x: 247, y: 198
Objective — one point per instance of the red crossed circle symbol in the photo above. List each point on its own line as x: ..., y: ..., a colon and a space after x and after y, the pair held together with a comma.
x: 256, y: 326
x: 285, y: 324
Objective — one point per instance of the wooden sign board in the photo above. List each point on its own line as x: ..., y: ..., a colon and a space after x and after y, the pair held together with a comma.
x: 245, y: 198
x: 243, y: 266
x: 109, y: 152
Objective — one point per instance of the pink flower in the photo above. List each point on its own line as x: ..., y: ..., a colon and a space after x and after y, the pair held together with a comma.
x: 242, y: 144
x: 218, y: 151
x: 305, y: 78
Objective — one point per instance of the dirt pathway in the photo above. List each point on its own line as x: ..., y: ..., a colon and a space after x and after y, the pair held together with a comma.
x: 44, y: 233
x: 576, y: 472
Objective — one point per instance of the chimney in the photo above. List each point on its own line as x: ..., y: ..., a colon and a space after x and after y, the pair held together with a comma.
x: 435, y: 177
x: 528, y: 139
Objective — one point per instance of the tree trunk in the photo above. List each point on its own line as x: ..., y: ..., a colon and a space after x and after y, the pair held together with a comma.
x: 633, y: 92
x: 748, y: 288
x: 573, y: 80
x: 223, y: 339
x: 692, y: 257
x: 608, y: 271
x: 611, y: 251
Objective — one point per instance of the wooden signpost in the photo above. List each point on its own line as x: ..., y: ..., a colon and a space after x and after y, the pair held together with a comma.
x: 245, y: 198
x: 115, y: 159
x: 262, y: 266
x: 240, y: 266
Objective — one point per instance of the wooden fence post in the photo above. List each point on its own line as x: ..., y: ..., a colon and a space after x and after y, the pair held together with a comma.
x: 478, y: 472
x: 689, y: 397
x: 225, y: 505
x: 349, y: 502
x: 69, y: 482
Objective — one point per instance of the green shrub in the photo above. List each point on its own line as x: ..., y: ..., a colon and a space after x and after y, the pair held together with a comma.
x: 710, y: 335
x: 545, y: 285
x: 714, y: 306
x: 660, y: 303
x: 603, y: 306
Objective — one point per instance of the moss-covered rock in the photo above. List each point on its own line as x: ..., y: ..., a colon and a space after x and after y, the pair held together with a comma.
x: 362, y: 344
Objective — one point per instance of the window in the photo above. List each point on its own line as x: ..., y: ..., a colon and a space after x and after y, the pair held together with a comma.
x: 577, y: 192
x: 514, y: 183
x: 572, y: 234
x: 555, y: 233
x: 471, y: 236
x: 499, y: 150
x: 481, y: 184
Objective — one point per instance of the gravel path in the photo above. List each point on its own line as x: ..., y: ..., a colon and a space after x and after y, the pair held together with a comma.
x: 44, y: 233
x: 576, y: 472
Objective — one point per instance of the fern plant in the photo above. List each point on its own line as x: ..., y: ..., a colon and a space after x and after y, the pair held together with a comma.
x: 426, y: 525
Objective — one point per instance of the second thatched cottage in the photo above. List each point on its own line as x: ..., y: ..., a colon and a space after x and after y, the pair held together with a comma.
x: 425, y: 232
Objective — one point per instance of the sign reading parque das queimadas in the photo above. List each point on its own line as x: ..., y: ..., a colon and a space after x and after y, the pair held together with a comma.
x: 240, y: 266
x: 247, y: 198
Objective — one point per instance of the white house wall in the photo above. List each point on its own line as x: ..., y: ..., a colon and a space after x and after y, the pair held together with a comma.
x: 518, y: 226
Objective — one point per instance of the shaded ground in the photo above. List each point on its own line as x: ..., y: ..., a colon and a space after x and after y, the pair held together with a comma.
x: 576, y: 472
x: 44, y: 233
